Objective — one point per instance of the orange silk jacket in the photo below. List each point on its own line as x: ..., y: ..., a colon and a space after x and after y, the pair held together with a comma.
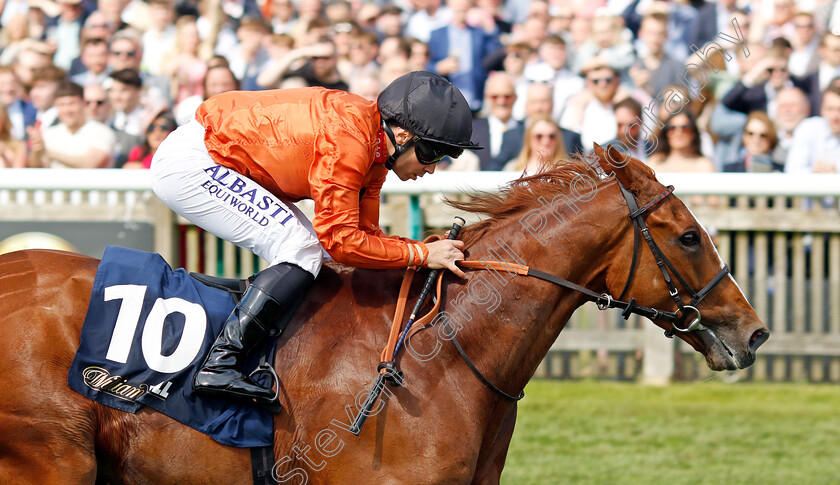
x: 319, y: 144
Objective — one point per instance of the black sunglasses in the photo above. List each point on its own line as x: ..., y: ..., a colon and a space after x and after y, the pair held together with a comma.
x: 124, y: 53
x: 163, y: 126
x: 429, y: 152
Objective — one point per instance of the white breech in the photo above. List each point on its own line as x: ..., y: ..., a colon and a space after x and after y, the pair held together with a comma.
x: 230, y: 205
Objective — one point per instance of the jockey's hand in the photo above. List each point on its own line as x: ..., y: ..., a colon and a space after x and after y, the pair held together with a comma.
x: 444, y: 253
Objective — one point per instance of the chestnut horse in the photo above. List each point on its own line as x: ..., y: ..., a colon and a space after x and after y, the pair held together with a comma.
x: 443, y: 425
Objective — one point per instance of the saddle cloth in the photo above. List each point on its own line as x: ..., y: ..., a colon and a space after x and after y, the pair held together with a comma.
x: 146, y: 332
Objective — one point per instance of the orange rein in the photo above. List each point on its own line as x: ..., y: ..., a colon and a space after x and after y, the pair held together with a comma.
x: 420, y: 323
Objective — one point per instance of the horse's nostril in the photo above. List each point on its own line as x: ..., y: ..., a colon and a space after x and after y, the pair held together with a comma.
x: 758, y: 337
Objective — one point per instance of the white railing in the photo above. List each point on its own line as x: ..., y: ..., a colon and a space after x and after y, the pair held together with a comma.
x: 761, y: 184
x: 780, y: 233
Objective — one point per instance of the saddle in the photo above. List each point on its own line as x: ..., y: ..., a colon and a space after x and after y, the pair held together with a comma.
x: 234, y: 286
x: 237, y: 287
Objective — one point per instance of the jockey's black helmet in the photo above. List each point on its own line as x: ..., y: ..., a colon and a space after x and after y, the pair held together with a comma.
x: 433, y: 110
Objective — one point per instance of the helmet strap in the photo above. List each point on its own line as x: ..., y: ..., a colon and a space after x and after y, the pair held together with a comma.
x: 398, y: 149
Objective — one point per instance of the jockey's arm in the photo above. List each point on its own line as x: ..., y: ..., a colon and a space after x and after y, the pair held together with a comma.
x: 346, y: 224
x: 347, y: 227
x: 441, y: 254
x: 337, y: 223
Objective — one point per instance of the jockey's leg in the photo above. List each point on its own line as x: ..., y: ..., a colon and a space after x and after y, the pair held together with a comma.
x: 237, y: 209
x: 274, y: 291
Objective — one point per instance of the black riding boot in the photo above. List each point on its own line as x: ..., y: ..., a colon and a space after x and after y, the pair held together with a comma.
x: 274, y: 291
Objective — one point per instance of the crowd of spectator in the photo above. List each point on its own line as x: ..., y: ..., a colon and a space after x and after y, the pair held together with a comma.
x: 684, y: 85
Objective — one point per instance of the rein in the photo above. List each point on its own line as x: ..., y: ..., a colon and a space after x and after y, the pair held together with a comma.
x: 387, y: 367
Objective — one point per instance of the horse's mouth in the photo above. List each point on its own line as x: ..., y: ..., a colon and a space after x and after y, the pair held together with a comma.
x: 720, y: 356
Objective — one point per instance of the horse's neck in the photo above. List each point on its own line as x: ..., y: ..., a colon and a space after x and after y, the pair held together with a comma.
x: 524, y: 315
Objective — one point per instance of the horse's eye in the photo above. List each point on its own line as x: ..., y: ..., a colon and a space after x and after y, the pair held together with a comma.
x: 690, y: 239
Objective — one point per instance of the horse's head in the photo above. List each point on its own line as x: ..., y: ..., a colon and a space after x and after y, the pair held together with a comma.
x: 712, y: 314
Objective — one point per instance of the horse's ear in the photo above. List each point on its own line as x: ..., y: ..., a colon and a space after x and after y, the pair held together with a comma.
x: 613, y: 162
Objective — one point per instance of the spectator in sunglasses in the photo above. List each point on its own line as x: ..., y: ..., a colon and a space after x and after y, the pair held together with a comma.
x: 126, y: 52
x: 320, y: 68
x: 590, y: 112
x: 97, y: 105
x: 804, y: 59
x: 162, y: 125
x: 759, y: 142
x: 538, y: 103
x: 758, y: 89
x: 489, y: 130
x: 679, y: 147
x: 543, y: 146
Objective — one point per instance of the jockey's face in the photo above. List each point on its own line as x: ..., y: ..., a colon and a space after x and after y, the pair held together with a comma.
x: 409, y: 167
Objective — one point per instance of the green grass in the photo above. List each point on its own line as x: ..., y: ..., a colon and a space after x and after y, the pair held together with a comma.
x: 696, y: 433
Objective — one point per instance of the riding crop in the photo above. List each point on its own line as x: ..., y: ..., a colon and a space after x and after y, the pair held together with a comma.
x: 388, y: 369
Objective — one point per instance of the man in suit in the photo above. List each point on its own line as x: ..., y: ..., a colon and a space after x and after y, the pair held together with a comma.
x: 539, y: 100
x: 500, y: 95
x: 95, y: 59
x: 457, y: 51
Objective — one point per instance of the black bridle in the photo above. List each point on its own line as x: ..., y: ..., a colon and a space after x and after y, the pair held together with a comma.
x: 605, y: 301
x: 639, y: 227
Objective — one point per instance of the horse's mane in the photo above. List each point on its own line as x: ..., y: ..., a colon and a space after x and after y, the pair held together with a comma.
x: 522, y: 194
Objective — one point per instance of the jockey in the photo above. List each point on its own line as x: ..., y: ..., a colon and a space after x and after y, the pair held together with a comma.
x: 235, y: 169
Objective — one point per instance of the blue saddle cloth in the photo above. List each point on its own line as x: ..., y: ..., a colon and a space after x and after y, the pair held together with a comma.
x: 147, y: 330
